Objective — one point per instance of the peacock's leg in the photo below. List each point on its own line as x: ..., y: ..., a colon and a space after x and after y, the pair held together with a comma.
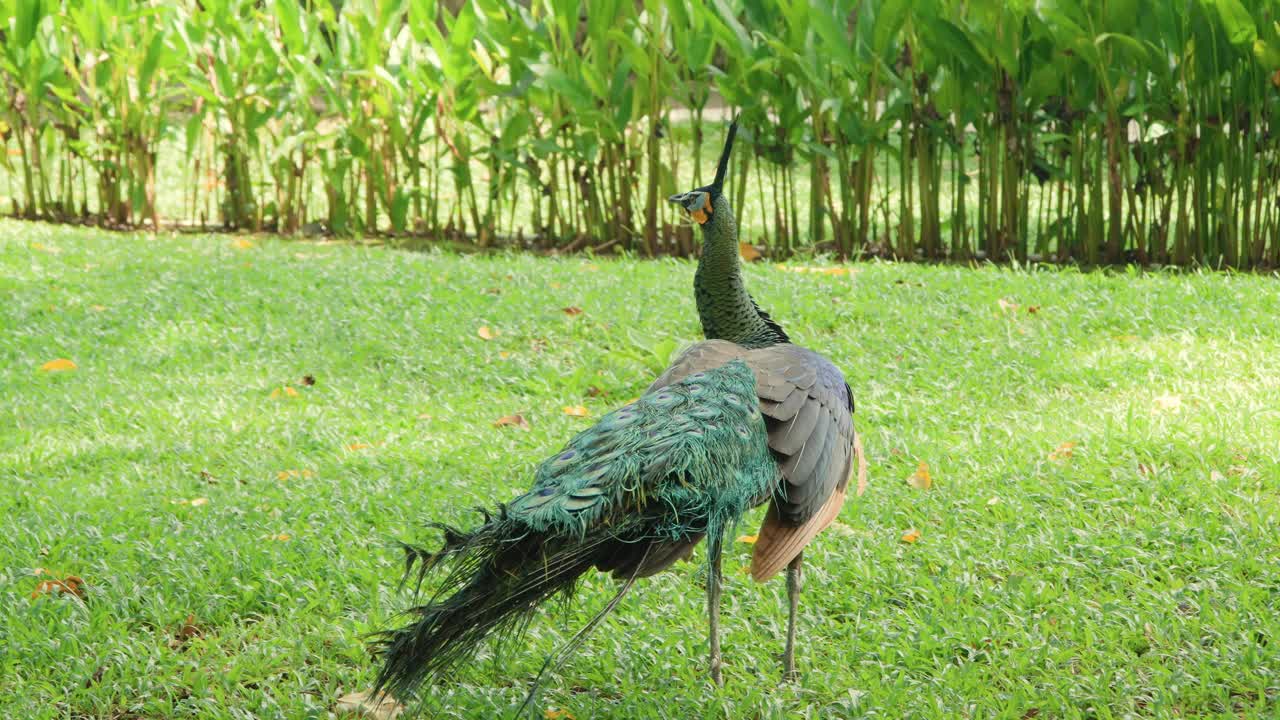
x: 793, y: 595
x: 713, y: 606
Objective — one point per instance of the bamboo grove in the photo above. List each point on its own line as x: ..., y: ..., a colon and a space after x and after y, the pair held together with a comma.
x: 1090, y: 131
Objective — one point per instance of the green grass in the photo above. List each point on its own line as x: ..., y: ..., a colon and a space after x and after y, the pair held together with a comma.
x: 1139, y: 577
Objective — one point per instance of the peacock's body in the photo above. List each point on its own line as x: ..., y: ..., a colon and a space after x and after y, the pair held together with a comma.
x: 741, y: 419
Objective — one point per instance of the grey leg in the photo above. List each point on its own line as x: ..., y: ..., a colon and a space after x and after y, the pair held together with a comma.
x: 713, y: 610
x: 793, y: 595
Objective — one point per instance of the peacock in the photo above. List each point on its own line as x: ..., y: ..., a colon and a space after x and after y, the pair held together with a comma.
x: 742, y: 419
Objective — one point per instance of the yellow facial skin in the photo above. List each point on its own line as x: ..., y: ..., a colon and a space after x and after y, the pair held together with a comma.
x: 702, y: 214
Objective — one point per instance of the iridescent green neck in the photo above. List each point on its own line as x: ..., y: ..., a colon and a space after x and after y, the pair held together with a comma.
x: 726, y: 309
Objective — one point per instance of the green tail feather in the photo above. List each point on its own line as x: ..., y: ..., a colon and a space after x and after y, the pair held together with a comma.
x: 684, y: 461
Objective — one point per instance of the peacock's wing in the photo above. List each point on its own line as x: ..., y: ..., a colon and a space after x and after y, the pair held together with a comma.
x: 808, y: 410
x: 684, y: 460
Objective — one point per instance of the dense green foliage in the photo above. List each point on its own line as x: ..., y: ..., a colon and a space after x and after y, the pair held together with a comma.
x: 1090, y: 130
x: 1136, y: 574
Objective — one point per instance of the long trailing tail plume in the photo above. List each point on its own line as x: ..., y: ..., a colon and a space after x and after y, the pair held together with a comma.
x: 500, y: 573
x: 630, y: 495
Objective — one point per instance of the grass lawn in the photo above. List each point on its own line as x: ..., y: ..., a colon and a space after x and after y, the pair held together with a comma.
x: 1102, y: 538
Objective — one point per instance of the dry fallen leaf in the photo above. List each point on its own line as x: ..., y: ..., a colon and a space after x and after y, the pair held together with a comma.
x: 59, y: 365
x: 994, y: 501
x: 911, y: 536
x: 576, y: 411
x: 282, y: 537
x: 353, y: 447
x: 748, y: 252
x: 242, y: 244
x: 593, y: 391
x: 1169, y: 403
x: 98, y: 308
x: 308, y: 380
x: 45, y: 248
x: 366, y: 704
x: 920, y: 479
x: 571, y: 310
x: 748, y: 539
x: 1033, y: 309
x: 1007, y: 305
x: 557, y: 714
x: 485, y: 333
x: 504, y: 354
x: 197, y: 502
x: 188, y: 630
x: 516, y: 420
x: 1063, y: 451
x: 71, y: 585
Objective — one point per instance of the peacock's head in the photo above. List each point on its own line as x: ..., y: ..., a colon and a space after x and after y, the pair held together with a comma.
x: 702, y: 203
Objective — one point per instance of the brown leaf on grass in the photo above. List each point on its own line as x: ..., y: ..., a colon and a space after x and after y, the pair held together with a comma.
x: 911, y: 536
x: 186, y: 632
x: 921, y: 479
x: 58, y: 365
x: 485, y: 333
x: 355, y: 446
x: 242, y: 244
x: 367, y: 705
x: 516, y: 420
x: 71, y: 585
x: 748, y: 252
x: 593, y: 391
x: 571, y: 310
x: 1146, y: 470
x: 1063, y: 451
x: 208, y: 477
x: 1033, y: 309
x: 309, y: 380
x: 576, y: 410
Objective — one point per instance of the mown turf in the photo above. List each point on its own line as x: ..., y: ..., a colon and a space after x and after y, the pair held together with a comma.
x: 1134, y: 574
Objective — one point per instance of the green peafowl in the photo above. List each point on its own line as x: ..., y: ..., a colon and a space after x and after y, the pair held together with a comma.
x: 738, y: 420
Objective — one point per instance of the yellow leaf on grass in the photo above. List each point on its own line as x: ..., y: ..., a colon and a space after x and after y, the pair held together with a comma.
x: 353, y: 447
x: 504, y: 354
x: 1063, y: 451
x: 45, y: 248
x: 516, y: 420
x: 59, y: 365
x: 576, y: 411
x: 557, y: 714
x: 197, y: 502
x: 911, y: 536
x: 920, y: 479
x: 97, y: 308
x: 242, y: 244
x: 748, y: 539
x: 485, y: 333
x: 70, y: 585
x: 748, y: 252
x: 367, y: 705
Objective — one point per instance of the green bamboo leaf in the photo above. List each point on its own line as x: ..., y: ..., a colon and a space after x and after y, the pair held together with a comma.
x: 1237, y: 21
x: 889, y: 21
